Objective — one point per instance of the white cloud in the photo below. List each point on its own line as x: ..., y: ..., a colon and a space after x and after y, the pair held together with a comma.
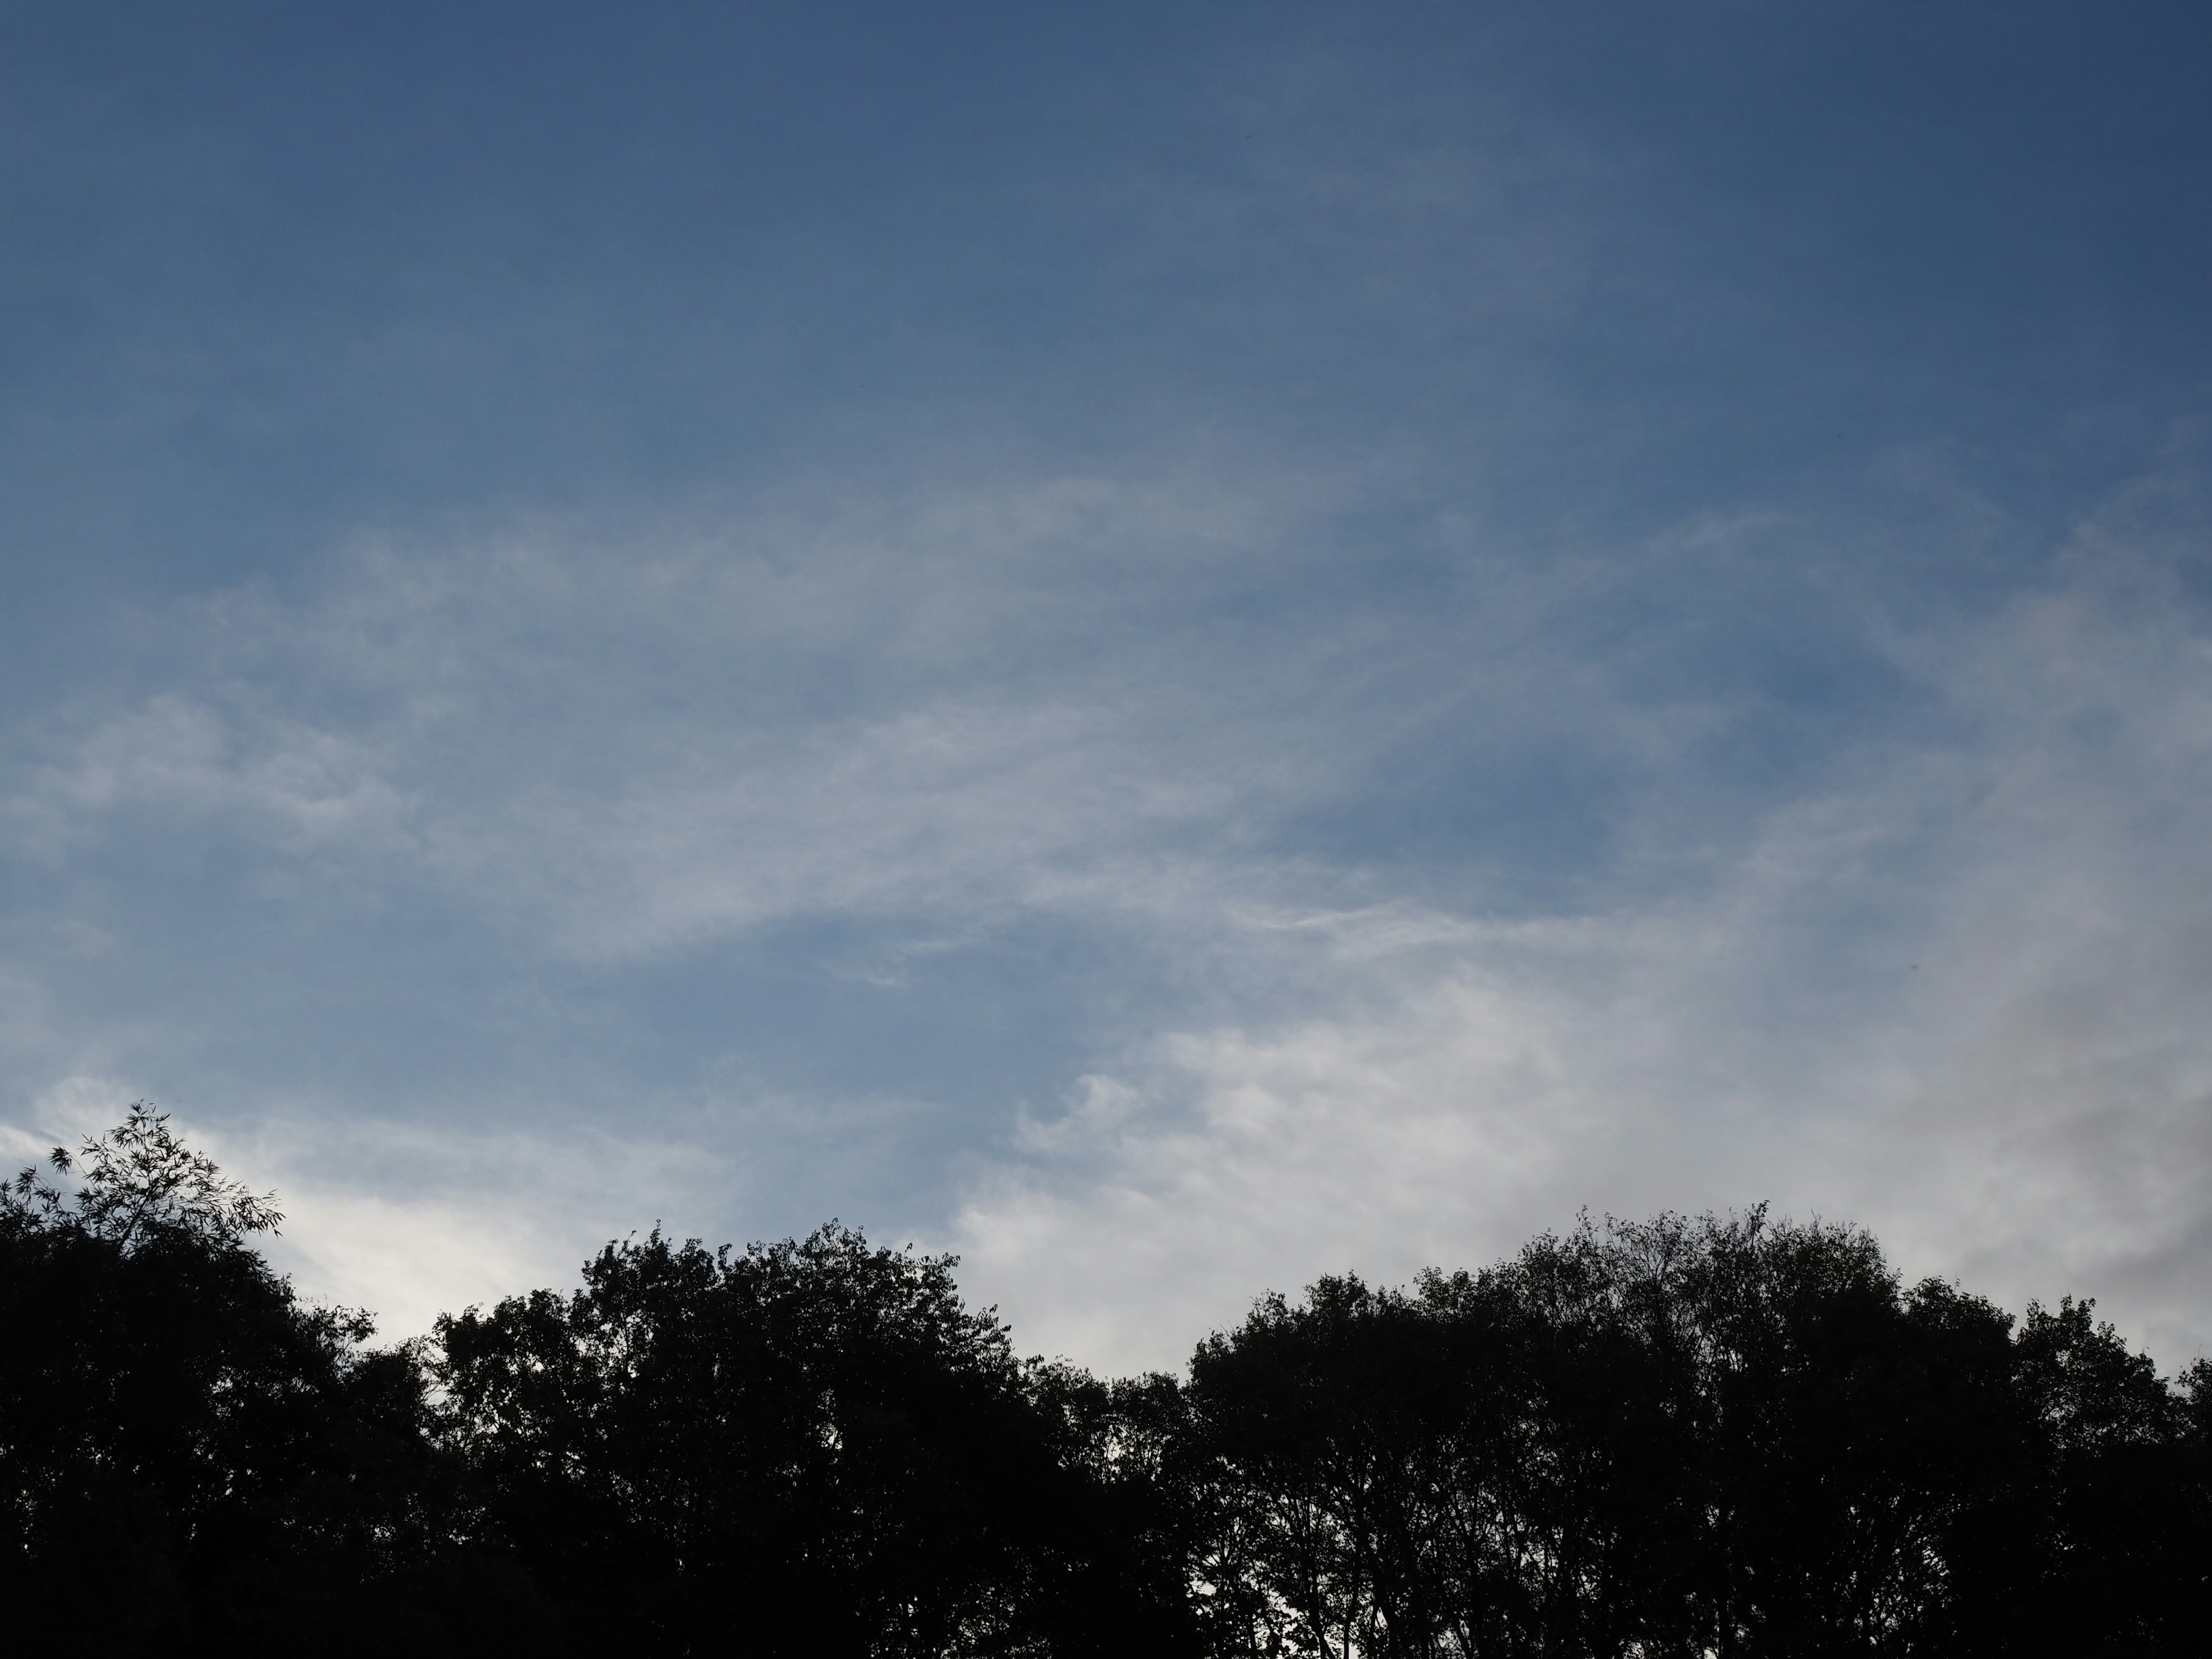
x: 283, y: 782
x: 621, y: 744
x: 1964, y: 995
x: 63, y: 1113
x: 410, y: 1221
x: 1946, y: 978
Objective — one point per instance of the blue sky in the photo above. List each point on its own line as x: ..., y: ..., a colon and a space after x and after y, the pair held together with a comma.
x: 1173, y: 647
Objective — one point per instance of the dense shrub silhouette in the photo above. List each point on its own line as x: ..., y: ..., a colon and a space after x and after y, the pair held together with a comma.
x: 1679, y: 1437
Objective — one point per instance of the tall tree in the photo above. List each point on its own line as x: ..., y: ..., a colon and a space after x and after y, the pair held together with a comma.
x: 806, y: 1447
x: 1711, y: 1437
x: 182, y: 1439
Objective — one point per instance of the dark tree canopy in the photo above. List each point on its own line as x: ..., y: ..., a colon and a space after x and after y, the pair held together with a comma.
x: 808, y: 1447
x: 1695, y: 1437
x: 1677, y: 1437
x: 185, y: 1448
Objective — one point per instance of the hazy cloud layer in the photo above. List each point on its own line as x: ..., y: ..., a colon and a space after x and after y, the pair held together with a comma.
x: 1943, y: 975
x: 1955, y: 991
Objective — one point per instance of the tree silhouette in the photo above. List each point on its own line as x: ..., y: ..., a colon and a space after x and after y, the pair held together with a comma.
x: 179, y: 1436
x: 808, y: 1447
x: 1693, y: 1438
x: 1709, y: 1436
x: 139, y: 1181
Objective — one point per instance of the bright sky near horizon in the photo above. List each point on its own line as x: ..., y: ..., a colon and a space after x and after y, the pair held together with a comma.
x: 1172, y: 646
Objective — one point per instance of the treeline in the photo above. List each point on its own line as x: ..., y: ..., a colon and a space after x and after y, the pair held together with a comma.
x: 1711, y: 1437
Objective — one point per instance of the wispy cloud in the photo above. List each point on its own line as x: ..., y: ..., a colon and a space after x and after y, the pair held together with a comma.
x: 1957, y: 991
x: 1517, y: 883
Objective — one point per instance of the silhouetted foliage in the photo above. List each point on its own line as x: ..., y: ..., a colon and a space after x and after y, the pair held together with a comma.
x: 188, y: 1455
x: 808, y: 1447
x: 1677, y: 1437
x: 1693, y: 1438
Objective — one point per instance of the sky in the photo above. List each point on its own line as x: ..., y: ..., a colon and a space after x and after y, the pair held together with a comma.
x: 1172, y: 647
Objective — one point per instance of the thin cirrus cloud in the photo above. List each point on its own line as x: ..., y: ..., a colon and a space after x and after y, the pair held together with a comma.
x: 1935, y: 980
x: 2007, y: 1074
